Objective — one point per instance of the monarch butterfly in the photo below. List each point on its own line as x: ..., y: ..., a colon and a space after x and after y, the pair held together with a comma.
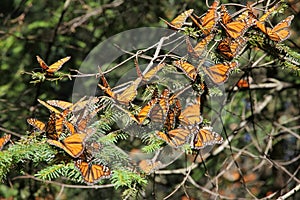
x: 191, y: 115
x: 225, y: 16
x: 179, y: 21
x: 229, y: 48
x: 145, y: 111
x: 176, y: 137
x: 219, y: 72
x: 56, y: 122
x: 79, y: 105
x: 198, y: 50
x: 50, y: 70
x: 173, y: 114
x: 148, y: 166
x: 280, y: 32
x: 204, y: 137
x: 209, y: 20
x: 159, y: 111
x: 187, y: 68
x: 73, y: 144
x: 36, y: 124
x: 126, y: 96
x: 238, y: 27
x: 50, y: 127
x: 92, y: 173
x: 150, y: 73
x: 4, y: 140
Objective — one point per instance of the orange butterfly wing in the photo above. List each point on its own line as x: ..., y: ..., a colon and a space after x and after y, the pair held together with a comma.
x: 209, y: 20
x: 60, y: 104
x: 42, y: 63
x: 240, y: 25
x: 229, y: 48
x: 204, y: 137
x: 126, y: 96
x: 50, y: 128
x: 73, y: 145
x: 179, y: 21
x: 145, y: 111
x: 225, y: 16
x: 129, y: 93
x: 187, y: 68
x: 280, y: 32
x: 54, y: 67
x: 173, y: 114
x: 92, y: 173
x: 219, y: 72
x: 159, y: 111
x: 175, y: 138
x: 191, y: 115
x: 106, y: 88
x: 57, y: 65
x: 4, y: 140
x: 153, y: 71
x: 36, y: 124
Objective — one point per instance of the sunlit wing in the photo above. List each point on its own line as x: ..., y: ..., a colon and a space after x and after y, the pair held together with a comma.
x: 129, y: 94
x: 209, y: 20
x: 51, y: 108
x: 54, y: 67
x: 4, y: 140
x: 36, y: 124
x: 57, y: 65
x: 200, y: 47
x: 159, y: 111
x: 280, y: 32
x: 219, y: 73
x: 191, y: 115
x: 175, y: 138
x: 225, y: 16
x: 126, y: 96
x: 187, y: 68
x: 240, y: 25
x: 230, y: 48
x: 180, y: 20
x: 92, y: 173
x: 145, y: 111
x: 204, y: 137
x: 73, y: 144
x: 153, y: 71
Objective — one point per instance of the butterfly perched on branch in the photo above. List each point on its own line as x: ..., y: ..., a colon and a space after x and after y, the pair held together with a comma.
x: 179, y: 21
x: 50, y: 70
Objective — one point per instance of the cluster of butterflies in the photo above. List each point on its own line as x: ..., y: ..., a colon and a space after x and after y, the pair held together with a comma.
x: 68, y: 128
x: 177, y: 126
x: 233, y: 31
